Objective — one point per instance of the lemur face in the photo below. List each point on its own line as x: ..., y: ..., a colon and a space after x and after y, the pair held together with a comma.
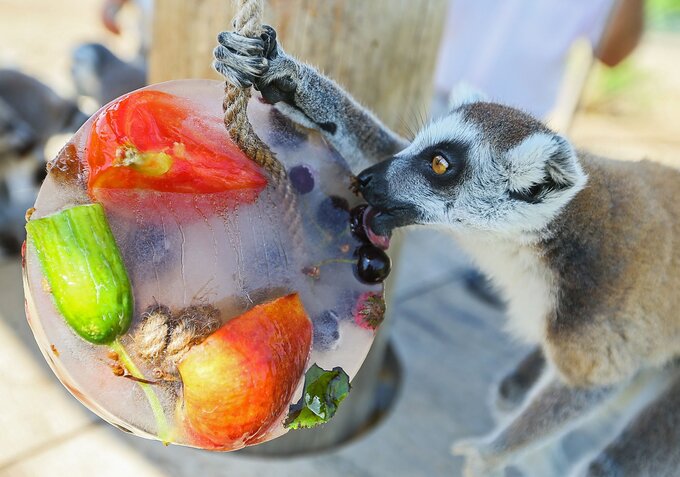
x: 484, y: 166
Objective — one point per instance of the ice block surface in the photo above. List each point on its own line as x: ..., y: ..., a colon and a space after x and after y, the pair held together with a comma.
x: 238, y: 287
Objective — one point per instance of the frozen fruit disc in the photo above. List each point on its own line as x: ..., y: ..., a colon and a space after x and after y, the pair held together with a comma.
x: 234, y: 287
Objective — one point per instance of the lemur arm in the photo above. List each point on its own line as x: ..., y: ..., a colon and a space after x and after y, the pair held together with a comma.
x: 307, y: 96
x: 515, y: 386
x: 552, y: 412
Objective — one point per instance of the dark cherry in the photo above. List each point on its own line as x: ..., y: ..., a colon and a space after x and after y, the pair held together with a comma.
x: 373, y: 265
x: 356, y: 222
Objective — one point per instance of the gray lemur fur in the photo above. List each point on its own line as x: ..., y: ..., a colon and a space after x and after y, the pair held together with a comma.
x: 30, y: 113
x: 98, y: 73
x: 520, y: 192
x: 307, y: 96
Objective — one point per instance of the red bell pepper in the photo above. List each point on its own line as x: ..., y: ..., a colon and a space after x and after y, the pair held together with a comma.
x: 151, y: 140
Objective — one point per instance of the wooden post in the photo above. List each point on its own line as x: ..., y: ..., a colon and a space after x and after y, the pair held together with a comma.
x: 382, y: 51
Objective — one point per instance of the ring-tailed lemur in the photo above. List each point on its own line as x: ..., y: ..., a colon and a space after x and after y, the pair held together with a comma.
x: 586, y: 250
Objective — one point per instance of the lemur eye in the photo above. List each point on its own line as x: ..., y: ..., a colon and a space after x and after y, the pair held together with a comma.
x: 439, y: 165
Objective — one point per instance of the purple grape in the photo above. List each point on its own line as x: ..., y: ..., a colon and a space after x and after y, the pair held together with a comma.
x: 326, y: 334
x: 302, y: 179
x: 333, y: 214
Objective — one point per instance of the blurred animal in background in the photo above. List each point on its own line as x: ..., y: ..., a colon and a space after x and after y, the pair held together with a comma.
x: 16, y: 136
x: 98, y: 73
x: 17, y: 140
x: 30, y: 114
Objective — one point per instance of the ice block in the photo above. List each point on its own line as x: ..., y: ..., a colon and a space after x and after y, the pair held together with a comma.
x: 182, y: 293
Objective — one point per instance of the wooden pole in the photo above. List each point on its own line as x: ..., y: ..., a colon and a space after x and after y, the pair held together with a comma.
x: 382, y: 51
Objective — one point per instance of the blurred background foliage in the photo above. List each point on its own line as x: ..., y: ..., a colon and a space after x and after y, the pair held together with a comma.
x: 631, y: 111
x: 663, y: 15
x: 609, y: 84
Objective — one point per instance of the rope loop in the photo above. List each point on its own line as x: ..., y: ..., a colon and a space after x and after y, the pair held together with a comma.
x: 248, y: 22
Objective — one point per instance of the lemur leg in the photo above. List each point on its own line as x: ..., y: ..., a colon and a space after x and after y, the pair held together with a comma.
x: 648, y: 446
x: 555, y: 409
x: 306, y: 95
x: 514, y: 387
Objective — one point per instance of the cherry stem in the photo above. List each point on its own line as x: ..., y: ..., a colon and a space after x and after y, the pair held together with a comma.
x: 154, y: 402
x: 334, y: 260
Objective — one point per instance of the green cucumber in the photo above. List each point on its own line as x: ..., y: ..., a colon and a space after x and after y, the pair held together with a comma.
x: 85, y: 271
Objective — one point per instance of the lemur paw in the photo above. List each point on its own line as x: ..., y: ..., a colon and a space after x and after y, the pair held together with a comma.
x: 257, y: 62
x: 240, y: 59
x: 479, y: 458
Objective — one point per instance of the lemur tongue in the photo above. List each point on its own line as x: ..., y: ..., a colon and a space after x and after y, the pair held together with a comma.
x: 380, y: 241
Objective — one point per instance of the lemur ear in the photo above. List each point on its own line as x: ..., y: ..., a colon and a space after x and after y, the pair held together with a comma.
x: 542, y: 166
x: 464, y: 93
x: 562, y: 166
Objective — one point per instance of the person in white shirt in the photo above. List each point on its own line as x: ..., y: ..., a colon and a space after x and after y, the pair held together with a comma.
x: 515, y: 51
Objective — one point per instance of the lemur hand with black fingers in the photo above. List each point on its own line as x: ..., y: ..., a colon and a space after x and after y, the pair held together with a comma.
x: 307, y: 96
x: 585, y: 250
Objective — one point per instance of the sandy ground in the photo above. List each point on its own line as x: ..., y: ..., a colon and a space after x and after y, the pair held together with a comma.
x: 642, y: 120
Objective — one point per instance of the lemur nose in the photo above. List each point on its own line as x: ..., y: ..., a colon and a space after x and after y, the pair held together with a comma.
x: 364, y: 178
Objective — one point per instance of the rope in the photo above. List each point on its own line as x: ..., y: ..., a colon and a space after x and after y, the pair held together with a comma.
x: 163, y: 337
x: 248, y: 22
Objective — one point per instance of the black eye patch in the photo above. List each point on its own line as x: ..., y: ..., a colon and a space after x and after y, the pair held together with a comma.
x: 455, y: 154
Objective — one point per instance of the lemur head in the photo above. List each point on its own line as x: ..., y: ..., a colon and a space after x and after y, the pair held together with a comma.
x: 484, y: 166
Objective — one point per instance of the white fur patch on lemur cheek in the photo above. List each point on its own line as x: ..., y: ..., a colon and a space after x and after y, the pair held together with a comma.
x: 526, y: 161
x: 451, y: 128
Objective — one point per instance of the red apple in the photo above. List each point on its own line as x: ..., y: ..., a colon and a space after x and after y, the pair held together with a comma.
x: 239, y: 381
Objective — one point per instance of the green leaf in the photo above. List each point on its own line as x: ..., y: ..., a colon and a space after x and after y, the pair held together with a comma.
x: 323, y: 393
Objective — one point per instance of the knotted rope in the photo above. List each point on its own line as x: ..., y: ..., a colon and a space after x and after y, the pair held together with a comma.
x: 248, y: 22
x: 163, y: 337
